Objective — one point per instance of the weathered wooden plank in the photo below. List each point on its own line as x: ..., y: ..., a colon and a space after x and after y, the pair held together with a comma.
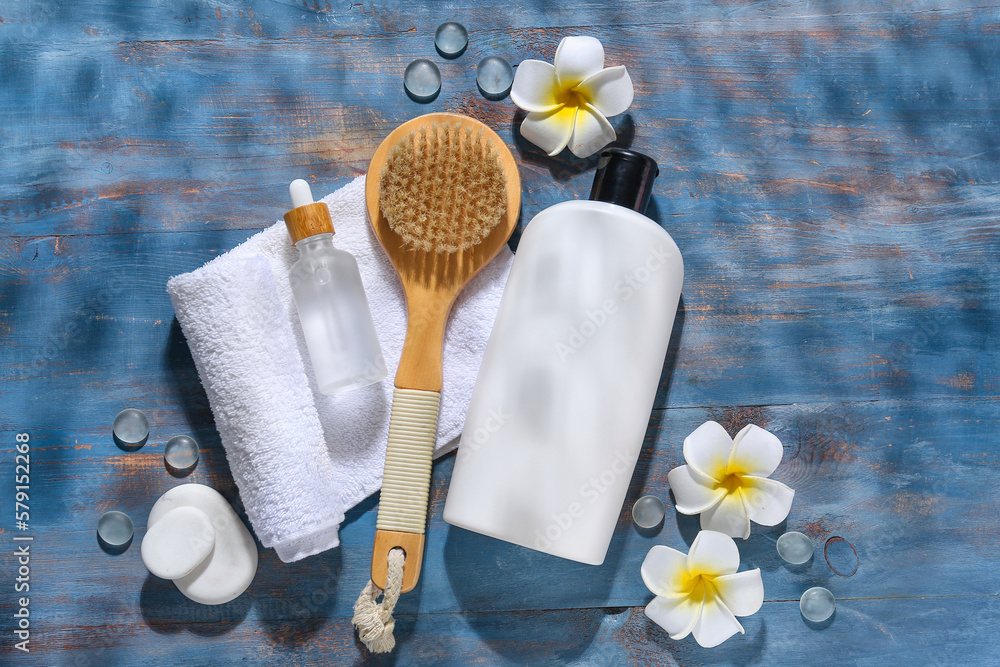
x: 830, y: 173
x: 771, y: 314
x: 867, y: 632
x: 896, y: 481
x: 748, y: 115
x: 111, y: 22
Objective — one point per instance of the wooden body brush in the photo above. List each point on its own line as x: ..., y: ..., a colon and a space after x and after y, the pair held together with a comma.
x: 443, y: 196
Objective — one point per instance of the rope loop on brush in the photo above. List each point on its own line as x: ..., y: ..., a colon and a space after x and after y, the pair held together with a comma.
x: 374, y: 620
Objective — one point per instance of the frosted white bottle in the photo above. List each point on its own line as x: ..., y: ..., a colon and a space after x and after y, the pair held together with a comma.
x: 565, y: 391
x: 330, y: 300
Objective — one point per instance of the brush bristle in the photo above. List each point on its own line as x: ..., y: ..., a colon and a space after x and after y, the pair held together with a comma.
x: 442, y: 188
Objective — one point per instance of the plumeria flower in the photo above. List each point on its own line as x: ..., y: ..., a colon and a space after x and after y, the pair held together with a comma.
x: 725, y: 479
x: 701, y: 593
x: 567, y: 103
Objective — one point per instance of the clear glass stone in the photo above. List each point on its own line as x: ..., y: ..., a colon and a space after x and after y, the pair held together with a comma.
x: 115, y: 528
x: 647, y: 512
x: 131, y: 428
x: 450, y: 39
x: 181, y: 453
x: 494, y: 75
x: 795, y: 547
x: 422, y: 80
x: 817, y: 604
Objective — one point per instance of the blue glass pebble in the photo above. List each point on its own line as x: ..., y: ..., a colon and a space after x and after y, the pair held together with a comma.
x: 115, y: 528
x: 817, y: 604
x: 131, y: 428
x: 181, y: 453
x: 494, y: 75
x: 422, y: 80
x: 647, y: 512
x: 450, y: 39
x: 795, y: 547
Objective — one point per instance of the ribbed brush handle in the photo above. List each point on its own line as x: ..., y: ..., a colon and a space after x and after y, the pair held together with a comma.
x: 407, y: 476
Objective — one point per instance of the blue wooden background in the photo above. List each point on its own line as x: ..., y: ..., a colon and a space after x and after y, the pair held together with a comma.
x: 830, y: 170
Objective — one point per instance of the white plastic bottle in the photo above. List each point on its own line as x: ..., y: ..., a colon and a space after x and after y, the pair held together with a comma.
x: 330, y: 300
x: 564, y: 395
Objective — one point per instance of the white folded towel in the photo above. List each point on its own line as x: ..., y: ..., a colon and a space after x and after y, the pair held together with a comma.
x: 299, y: 458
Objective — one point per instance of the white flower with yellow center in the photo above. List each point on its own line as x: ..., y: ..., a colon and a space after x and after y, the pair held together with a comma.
x: 701, y: 593
x: 725, y: 479
x: 567, y: 103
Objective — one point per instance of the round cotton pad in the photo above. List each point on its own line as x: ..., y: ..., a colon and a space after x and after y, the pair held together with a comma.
x: 178, y: 542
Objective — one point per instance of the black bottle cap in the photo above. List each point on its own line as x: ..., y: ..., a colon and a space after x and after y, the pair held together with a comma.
x: 625, y: 178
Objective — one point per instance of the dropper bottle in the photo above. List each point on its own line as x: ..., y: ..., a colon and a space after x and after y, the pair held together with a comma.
x: 330, y: 300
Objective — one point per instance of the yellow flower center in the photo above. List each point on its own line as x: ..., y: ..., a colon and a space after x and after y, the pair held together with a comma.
x: 695, y: 585
x: 731, y: 483
x: 570, y: 97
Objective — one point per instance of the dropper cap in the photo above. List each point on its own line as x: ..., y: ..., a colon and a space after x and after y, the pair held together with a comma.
x: 307, y: 218
x: 625, y: 178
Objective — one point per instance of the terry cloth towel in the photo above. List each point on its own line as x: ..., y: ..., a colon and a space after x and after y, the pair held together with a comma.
x: 299, y: 458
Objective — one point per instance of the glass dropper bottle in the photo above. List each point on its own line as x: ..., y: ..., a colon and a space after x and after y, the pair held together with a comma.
x: 330, y: 299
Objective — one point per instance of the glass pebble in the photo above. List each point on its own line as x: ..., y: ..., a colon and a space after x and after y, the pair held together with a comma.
x: 647, y: 512
x: 422, y: 80
x: 115, y: 528
x: 494, y: 75
x: 450, y: 39
x: 795, y: 547
x: 817, y: 604
x: 181, y: 452
x: 131, y: 427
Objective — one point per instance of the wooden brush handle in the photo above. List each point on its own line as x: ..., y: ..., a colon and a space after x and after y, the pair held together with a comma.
x: 406, y: 478
x: 402, y: 510
x: 426, y: 318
